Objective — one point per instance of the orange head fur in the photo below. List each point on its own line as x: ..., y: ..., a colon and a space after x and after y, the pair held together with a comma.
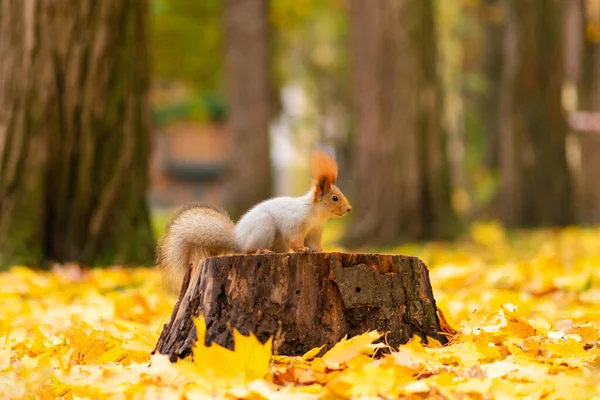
x: 324, y: 170
x: 325, y: 192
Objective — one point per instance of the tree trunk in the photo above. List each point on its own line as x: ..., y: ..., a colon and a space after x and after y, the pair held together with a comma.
x: 402, y: 188
x: 492, y: 68
x: 588, y: 207
x: 74, y: 139
x: 303, y: 301
x: 536, y: 188
x: 248, y: 85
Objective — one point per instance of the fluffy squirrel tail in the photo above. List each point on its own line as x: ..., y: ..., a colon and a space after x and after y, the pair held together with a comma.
x: 195, y: 232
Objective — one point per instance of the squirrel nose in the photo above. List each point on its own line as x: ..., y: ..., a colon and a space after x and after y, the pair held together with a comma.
x: 349, y: 209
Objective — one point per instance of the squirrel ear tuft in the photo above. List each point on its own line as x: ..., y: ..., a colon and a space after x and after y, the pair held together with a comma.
x: 324, y: 167
x: 324, y: 170
x: 320, y: 188
x: 324, y: 185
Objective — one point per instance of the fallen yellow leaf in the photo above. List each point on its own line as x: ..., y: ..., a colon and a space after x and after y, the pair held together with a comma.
x: 346, y: 349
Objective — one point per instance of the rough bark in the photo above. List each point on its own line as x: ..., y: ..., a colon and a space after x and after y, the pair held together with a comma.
x: 248, y: 89
x: 402, y: 188
x: 536, y: 187
x: 74, y: 137
x: 303, y: 301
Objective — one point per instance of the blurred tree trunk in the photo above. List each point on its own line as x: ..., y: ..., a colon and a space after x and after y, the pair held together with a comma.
x: 248, y: 87
x: 494, y: 25
x: 401, y: 169
x: 588, y: 207
x: 74, y: 139
x: 536, y: 188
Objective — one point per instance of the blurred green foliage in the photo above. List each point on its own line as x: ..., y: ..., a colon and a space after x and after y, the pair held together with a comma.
x: 309, y: 48
x: 186, y: 43
x: 201, y: 107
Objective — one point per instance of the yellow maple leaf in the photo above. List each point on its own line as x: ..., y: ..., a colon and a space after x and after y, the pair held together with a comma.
x: 565, y: 348
x: 217, y: 368
x: 309, y: 355
x: 374, y: 379
x: 587, y: 333
x: 346, y: 349
x: 516, y: 325
x: 116, y: 354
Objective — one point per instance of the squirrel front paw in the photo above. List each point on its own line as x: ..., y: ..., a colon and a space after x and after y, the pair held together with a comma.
x: 304, y: 250
x: 264, y: 251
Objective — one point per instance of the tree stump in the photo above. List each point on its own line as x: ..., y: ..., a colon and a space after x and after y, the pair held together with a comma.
x: 303, y: 300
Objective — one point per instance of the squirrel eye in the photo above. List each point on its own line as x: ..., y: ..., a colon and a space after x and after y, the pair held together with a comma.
x: 334, y: 198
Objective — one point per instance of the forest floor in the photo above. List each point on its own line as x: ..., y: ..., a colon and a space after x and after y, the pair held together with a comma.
x: 526, y: 307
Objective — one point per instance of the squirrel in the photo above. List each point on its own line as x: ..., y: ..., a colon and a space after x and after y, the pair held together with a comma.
x: 276, y: 225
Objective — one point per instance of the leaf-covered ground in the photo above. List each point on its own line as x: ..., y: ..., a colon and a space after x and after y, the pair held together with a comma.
x: 527, y: 309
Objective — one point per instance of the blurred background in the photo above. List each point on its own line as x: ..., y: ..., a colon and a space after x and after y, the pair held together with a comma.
x: 440, y: 113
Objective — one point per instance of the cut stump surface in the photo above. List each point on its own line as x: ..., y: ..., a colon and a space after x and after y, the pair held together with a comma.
x: 303, y: 300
